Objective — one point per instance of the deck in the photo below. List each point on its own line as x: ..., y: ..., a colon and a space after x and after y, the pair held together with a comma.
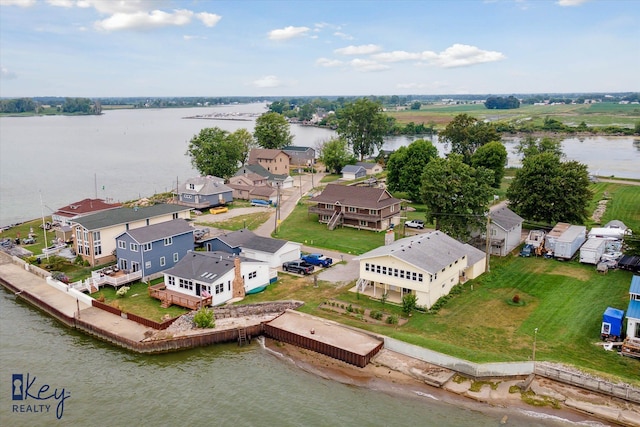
x: 114, y: 276
x: 169, y: 298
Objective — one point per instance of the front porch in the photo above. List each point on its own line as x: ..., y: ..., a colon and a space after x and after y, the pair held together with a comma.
x: 376, y: 290
x: 169, y: 298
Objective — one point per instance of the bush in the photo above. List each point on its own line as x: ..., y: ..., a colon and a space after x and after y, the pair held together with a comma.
x: 409, y: 303
x: 392, y: 319
x: 350, y: 308
x: 122, y: 291
x: 375, y: 314
x: 516, y: 299
x: 204, y: 318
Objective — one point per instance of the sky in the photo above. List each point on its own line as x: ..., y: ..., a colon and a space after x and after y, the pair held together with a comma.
x: 165, y: 48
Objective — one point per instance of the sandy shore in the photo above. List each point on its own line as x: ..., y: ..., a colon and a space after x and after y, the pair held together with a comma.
x: 390, y: 372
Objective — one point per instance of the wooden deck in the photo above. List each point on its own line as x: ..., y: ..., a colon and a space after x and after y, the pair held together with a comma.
x: 170, y: 298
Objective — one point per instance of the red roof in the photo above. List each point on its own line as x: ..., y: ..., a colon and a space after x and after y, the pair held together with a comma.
x: 84, y: 207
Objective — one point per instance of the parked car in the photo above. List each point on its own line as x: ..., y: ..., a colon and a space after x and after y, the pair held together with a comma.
x: 199, y: 233
x: 415, y: 223
x: 300, y: 267
x: 527, y: 250
x: 28, y: 241
x: 258, y: 202
x: 317, y: 259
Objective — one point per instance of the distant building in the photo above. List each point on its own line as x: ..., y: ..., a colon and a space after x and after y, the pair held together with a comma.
x: 84, y: 207
x: 274, y: 161
x: 300, y: 156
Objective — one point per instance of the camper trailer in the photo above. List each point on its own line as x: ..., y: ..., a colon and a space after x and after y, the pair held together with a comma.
x: 569, y: 242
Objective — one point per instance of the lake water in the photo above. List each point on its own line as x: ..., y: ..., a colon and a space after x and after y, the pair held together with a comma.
x: 221, y: 385
x: 127, y: 154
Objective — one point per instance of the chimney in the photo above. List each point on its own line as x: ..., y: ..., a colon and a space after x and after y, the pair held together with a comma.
x: 238, y: 281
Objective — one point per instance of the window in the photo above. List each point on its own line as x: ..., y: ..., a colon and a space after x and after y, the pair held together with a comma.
x: 606, y: 328
x: 192, y: 186
x: 219, y: 288
x: 395, y: 272
x: 135, y: 266
x: 146, y: 247
x: 253, y: 274
x: 366, y: 266
x: 175, y: 257
x: 163, y: 261
x: 171, y: 280
x: 229, y: 285
x: 97, y: 248
x: 78, y: 234
x: 419, y: 277
x: 378, y: 269
x: 352, y: 209
x: 96, y: 236
x: 133, y: 247
x: 402, y: 274
x: 373, y: 212
x: 393, y: 208
x: 122, y: 244
x: 175, y: 216
x: 147, y: 264
x: 168, y: 241
x: 363, y: 223
x: 384, y: 269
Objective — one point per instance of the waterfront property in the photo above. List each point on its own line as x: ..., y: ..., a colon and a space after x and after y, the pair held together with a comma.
x: 220, y: 276
x: 96, y: 234
x: 358, y: 207
x: 274, y: 180
x: 204, y: 192
x: 66, y: 214
x: 246, y: 243
x: 154, y: 248
x: 274, y: 161
x: 505, y: 230
x: 426, y: 265
x: 252, y: 186
x: 300, y: 156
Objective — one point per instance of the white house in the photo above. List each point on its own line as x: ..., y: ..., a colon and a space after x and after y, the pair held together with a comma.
x: 221, y: 275
x: 351, y: 172
x: 371, y: 168
x: 426, y: 265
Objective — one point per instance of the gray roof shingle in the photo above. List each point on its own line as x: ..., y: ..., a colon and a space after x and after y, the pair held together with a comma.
x: 248, y: 239
x: 505, y: 218
x: 155, y: 232
x: 124, y: 215
x: 361, y: 197
x: 205, y: 267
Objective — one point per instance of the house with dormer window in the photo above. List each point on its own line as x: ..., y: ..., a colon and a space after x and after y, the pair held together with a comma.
x: 204, y: 192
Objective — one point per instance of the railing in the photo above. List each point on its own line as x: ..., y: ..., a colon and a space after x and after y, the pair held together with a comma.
x: 170, y: 298
x: 118, y: 280
x: 334, y: 220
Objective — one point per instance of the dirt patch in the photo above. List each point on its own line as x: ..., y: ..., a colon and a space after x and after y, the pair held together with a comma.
x: 376, y: 317
x: 568, y: 271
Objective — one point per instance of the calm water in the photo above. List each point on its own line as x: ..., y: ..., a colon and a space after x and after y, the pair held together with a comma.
x: 213, y: 386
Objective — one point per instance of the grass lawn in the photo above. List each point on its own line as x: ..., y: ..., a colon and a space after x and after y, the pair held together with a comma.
x: 250, y: 221
x: 138, y: 301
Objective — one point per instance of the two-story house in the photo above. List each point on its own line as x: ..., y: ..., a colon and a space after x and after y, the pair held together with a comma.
x: 65, y: 214
x: 95, y: 234
x: 505, y: 228
x: 154, y: 248
x: 204, y: 192
x: 274, y: 180
x: 300, y: 156
x: 358, y: 207
x: 426, y: 265
x: 275, y: 161
x: 252, y: 186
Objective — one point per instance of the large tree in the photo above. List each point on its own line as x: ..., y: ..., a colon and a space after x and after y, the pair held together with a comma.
x: 363, y: 125
x: 548, y: 190
x: 272, y: 131
x: 456, y: 195
x: 405, y: 167
x: 465, y: 134
x: 335, y: 155
x: 214, y: 152
x: 243, y: 138
x: 491, y: 156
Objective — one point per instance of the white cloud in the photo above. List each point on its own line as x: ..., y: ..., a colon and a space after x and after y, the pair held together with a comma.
x: 326, y: 62
x: 188, y: 37
x: 144, y: 20
x: 5, y: 74
x: 61, y: 3
x: 110, y: 7
x: 365, y: 49
x: 367, y: 65
x: 343, y: 35
x: 267, y: 82
x: 208, y: 19
x: 571, y: 2
x: 288, y: 33
x: 396, y: 56
x: 21, y: 3
x: 462, y: 55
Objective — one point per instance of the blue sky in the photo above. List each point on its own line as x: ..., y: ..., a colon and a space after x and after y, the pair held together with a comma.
x: 101, y: 48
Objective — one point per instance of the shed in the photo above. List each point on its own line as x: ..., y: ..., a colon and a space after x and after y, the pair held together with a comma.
x: 611, y: 329
x: 351, y: 172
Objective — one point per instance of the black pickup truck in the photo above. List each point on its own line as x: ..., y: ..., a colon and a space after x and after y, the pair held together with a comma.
x: 299, y: 267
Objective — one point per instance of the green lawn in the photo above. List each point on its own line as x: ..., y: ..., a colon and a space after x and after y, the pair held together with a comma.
x: 250, y: 221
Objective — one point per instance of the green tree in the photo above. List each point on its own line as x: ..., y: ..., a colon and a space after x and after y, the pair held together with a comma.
x: 409, y: 302
x: 530, y: 146
x: 406, y: 165
x: 363, y: 125
x: 243, y: 138
x: 415, y: 105
x: 272, y: 131
x: 465, y: 134
x: 214, y: 152
x: 491, y: 156
x: 548, y: 190
x: 456, y: 195
x: 335, y: 155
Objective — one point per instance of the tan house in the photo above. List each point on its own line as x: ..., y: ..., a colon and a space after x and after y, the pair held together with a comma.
x: 371, y: 168
x: 426, y: 265
x: 274, y: 161
x: 358, y: 207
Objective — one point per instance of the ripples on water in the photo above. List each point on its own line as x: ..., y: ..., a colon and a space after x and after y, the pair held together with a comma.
x: 214, y: 386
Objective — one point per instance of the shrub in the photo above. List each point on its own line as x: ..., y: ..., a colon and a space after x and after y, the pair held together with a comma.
x: 204, y: 318
x: 375, y: 314
x: 392, y: 319
x: 516, y: 299
x: 122, y: 291
x: 350, y: 308
x: 409, y: 303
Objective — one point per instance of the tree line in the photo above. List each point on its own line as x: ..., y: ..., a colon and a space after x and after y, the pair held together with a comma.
x: 66, y: 106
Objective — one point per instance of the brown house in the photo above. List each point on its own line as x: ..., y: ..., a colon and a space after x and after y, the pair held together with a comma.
x: 274, y: 161
x: 358, y: 207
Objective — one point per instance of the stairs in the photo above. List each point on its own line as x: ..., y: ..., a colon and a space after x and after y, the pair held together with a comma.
x: 337, y: 216
x: 242, y: 336
x: 361, y: 284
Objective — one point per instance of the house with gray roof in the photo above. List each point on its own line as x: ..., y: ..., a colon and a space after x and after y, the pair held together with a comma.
x: 300, y: 156
x: 427, y: 265
x: 351, y: 172
x: 505, y: 228
x: 220, y: 275
x: 154, y: 248
x: 371, y: 168
x: 246, y: 243
x: 204, y: 192
x: 95, y: 234
x: 274, y: 180
x: 366, y: 208
x: 251, y: 186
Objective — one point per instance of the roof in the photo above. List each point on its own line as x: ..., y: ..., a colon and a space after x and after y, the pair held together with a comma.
x: 296, y: 148
x: 616, y: 224
x: 362, y: 197
x: 366, y: 165
x: 352, y: 169
x: 614, y: 313
x: 85, y: 206
x: 633, y: 311
x: 210, y: 185
x: 505, y: 218
x: 248, y: 239
x: 430, y: 252
x: 204, y: 266
x: 264, y: 153
x: 155, y: 232
x: 635, y: 285
x: 558, y: 229
x: 572, y: 233
x: 260, y: 171
x: 124, y: 215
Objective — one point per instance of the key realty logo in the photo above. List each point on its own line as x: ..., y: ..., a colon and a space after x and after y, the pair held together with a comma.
x: 29, y: 395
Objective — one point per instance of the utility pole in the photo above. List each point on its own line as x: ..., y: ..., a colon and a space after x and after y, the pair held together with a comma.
x: 488, y: 242
x: 535, y: 336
